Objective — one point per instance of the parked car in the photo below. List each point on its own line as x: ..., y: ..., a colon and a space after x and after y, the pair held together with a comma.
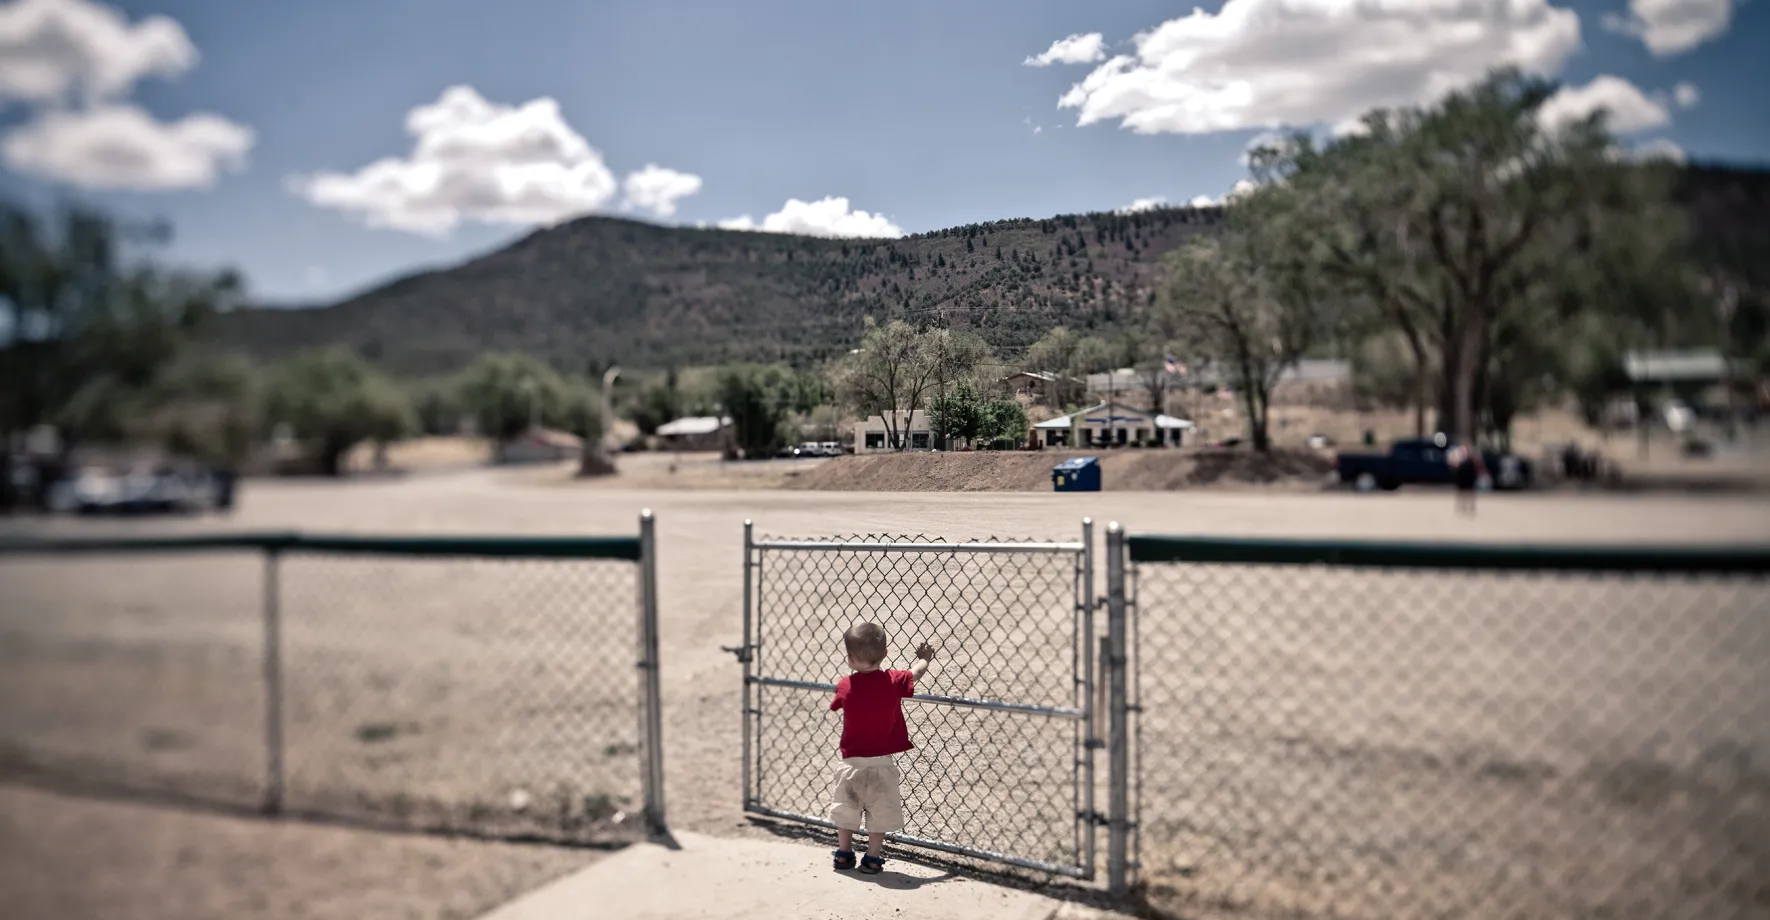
x: 1421, y: 461
x: 144, y: 491
x: 830, y: 448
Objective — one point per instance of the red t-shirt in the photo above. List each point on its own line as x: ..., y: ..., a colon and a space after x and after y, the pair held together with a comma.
x: 872, y: 716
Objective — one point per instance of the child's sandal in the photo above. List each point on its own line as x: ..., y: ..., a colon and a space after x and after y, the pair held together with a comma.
x: 872, y: 865
x: 844, y: 859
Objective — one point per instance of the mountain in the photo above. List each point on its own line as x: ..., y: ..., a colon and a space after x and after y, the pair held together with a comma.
x: 602, y: 290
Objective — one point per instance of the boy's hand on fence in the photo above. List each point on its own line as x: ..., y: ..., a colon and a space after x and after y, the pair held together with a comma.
x: 925, y: 652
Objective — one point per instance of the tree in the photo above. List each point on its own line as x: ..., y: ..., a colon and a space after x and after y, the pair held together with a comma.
x: 331, y: 400
x: 891, y: 375
x: 1069, y: 358
x: 1472, y: 222
x: 961, y: 414
x: 508, y: 392
x: 1005, y: 419
x: 1234, y: 297
x: 954, y: 356
x: 81, y: 332
x: 758, y: 398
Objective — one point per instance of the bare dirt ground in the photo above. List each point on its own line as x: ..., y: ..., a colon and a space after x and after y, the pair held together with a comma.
x: 110, y: 698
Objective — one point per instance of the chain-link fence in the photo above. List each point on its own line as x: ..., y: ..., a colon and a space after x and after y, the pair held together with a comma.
x: 1001, y: 769
x: 1354, y: 730
x: 484, y: 686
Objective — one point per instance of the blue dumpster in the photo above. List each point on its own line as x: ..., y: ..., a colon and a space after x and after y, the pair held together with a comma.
x: 1077, y: 474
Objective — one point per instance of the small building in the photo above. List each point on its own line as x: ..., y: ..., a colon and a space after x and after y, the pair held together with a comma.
x: 541, y: 445
x: 908, y: 431
x: 1114, y: 425
x: 1036, y: 387
x: 697, y: 433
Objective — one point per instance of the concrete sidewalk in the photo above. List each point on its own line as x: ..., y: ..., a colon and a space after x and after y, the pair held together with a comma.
x: 728, y: 879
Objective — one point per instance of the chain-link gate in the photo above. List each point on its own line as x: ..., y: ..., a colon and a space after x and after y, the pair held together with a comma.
x: 1003, y: 723
x: 1363, y: 730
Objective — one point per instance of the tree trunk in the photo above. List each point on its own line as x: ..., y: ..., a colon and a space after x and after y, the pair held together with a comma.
x: 1422, y: 383
x: 1256, y: 405
x: 332, y: 459
x: 1467, y: 366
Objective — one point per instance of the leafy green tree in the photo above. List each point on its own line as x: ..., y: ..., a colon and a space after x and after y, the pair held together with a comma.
x: 758, y: 398
x: 439, y: 406
x: 332, y: 400
x: 83, y: 331
x: 1235, y: 299
x: 1005, y: 419
x: 960, y: 414
x: 507, y: 392
x: 892, y: 373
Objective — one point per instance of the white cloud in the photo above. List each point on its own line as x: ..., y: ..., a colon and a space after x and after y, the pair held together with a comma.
x: 1264, y: 63
x: 657, y: 189
x: 1686, y: 95
x: 482, y: 161
x: 53, y: 50
x: 1630, y: 109
x: 1659, y: 148
x: 75, y: 63
x: 1143, y: 204
x: 1076, y: 49
x: 828, y: 216
x: 1669, y: 27
x: 1203, y: 201
x: 123, y: 147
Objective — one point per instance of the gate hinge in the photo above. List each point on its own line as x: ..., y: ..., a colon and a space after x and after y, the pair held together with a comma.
x: 741, y: 651
x: 1094, y: 744
x: 1094, y: 818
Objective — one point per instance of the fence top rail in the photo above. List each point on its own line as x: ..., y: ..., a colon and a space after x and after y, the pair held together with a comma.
x: 862, y: 546
x: 1623, y: 558
x: 340, y: 544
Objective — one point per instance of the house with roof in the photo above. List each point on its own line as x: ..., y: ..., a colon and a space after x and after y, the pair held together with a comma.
x: 906, y: 431
x: 696, y: 433
x: 1112, y: 424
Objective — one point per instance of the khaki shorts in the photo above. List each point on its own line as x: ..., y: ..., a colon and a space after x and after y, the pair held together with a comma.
x: 867, y: 786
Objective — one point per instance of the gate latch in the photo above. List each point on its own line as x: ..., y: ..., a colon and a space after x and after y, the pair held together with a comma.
x: 741, y: 651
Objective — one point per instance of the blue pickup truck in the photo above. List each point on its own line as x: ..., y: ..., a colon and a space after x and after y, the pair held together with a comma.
x: 1422, y: 462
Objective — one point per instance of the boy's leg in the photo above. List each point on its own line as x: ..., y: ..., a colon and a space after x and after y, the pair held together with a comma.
x: 876, y: 844
x: 845, y: 840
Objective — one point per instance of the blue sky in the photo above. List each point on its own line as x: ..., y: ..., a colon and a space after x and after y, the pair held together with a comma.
x: 923, y: 114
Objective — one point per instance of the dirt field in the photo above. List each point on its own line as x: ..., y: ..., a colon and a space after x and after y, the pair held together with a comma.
x: 116, y: 680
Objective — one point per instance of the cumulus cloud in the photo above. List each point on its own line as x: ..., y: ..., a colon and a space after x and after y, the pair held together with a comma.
x: 1076, y: 49
x: 1670, y: 27
x: 482, y: 161
x: 74, y: 63
x: 1686, y: 95
x: 53, y: 50
x: 829, y: 216
x: 1143, y: 204
x: 1264, y: 63
x: 1659, y: 148
x: 1630, y: 109
x: 123, y: 147
x: 657, y: 189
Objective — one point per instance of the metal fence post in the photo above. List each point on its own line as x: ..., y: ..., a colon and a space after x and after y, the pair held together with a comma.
x: 1091, y: 723
x: 1118, y: 768
x: 744, y: 651
x: 651, y: 716
x: 273, y: 681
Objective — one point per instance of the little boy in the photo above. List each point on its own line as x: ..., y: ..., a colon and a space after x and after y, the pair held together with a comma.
x: 873, y: 730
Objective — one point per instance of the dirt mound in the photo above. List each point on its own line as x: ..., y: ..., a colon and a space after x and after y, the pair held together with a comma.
x: 1030, y: 471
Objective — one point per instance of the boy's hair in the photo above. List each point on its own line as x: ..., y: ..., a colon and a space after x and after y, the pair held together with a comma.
x: 866, y: 643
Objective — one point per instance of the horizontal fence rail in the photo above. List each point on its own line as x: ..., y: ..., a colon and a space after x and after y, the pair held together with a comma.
x: 467, y: 684
x: 1371, y: 730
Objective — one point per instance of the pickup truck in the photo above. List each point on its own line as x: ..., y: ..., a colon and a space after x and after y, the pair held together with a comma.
x: 1421, y: 462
